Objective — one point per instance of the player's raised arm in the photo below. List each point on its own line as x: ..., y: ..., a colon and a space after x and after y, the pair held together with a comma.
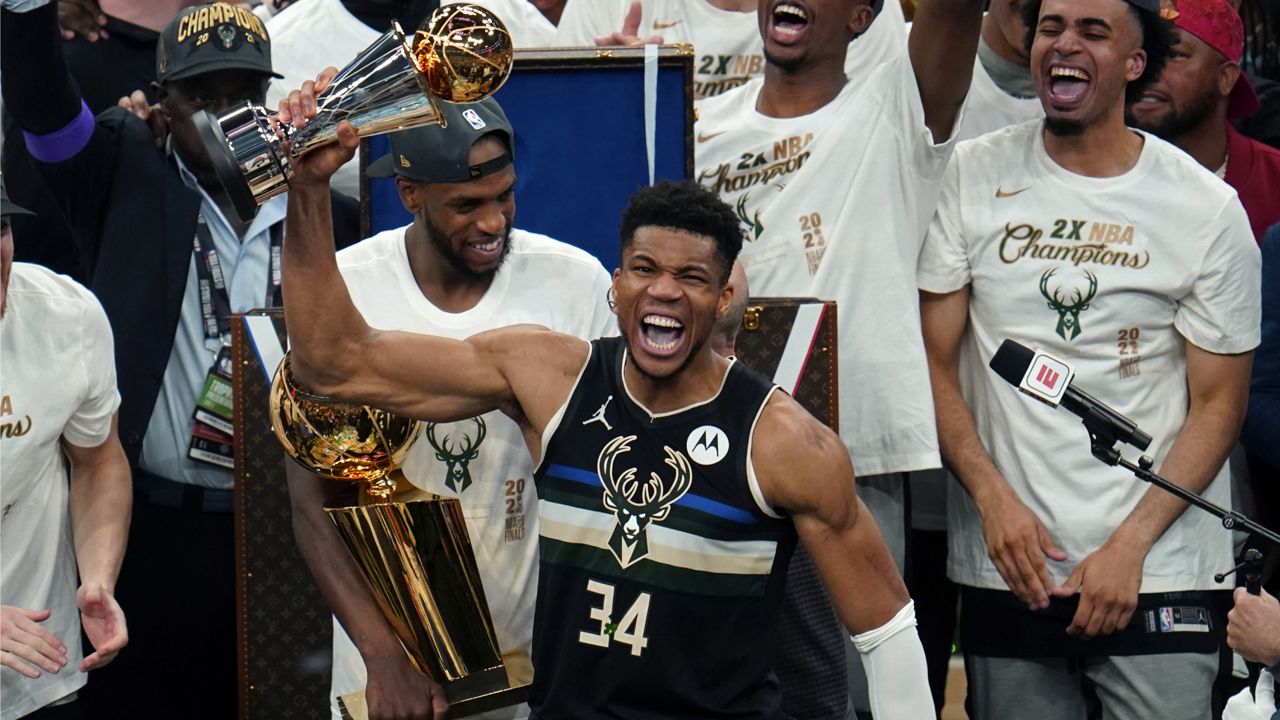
x: 336, y: 353
x: 943, y: 45
x: 804, y: 470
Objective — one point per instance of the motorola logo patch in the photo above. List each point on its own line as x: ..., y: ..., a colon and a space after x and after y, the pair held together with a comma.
x: 707, y: 445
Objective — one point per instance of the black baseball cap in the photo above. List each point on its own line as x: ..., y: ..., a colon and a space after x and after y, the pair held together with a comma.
x: 207, y: 38
x: 9, y: 207
x: 437, y: 154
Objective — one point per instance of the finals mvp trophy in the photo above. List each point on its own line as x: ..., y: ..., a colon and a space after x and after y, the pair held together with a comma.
x: 461, y: 54
x: 416, y: 556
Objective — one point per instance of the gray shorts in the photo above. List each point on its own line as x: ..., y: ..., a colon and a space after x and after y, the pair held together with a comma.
x: 1175, y: 686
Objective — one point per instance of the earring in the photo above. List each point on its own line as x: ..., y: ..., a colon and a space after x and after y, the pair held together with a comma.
x: 608, y: 298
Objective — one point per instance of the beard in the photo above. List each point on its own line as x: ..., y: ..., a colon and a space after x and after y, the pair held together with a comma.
x: 451, y: 256
x: 1176, y: 124
x: 1064, y: 127
x: 786, y: 66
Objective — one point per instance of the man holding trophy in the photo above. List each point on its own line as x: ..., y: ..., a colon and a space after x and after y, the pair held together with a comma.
x: 459, y: 269
x: 673, y: 483
x: 170, y: 262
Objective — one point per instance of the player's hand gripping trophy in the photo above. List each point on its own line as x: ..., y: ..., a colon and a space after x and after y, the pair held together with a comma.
x: 461, y: 54
x: 416, y: 555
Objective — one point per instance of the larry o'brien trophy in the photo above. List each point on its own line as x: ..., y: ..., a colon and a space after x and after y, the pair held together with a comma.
x: 416, y: 556
x: 461, y: 54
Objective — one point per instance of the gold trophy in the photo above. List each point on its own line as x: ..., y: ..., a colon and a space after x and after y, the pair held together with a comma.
x: 461, y: 54
x: 416, y: 555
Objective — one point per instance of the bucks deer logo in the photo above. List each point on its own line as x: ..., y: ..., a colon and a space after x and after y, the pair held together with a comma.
x: 752, y: 222
x: 457, y: 457
x: 227, y: 35
x: 637, y: 503
x: 1068, y: 312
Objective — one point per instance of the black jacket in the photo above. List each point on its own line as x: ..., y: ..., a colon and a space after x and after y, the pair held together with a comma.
x: 132, y: 217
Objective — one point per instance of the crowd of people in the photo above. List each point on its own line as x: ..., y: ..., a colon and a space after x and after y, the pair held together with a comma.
x: 661, y: 532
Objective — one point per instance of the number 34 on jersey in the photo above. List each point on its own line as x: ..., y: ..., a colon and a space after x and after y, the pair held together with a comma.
x: 628, y: 631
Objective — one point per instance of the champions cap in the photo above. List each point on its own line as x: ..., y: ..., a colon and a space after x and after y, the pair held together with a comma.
x: 208, y: 38
x: 1217, y: 24
x: 435, y: 154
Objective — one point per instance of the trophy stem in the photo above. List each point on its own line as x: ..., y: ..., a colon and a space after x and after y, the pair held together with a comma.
x: 381, y: 91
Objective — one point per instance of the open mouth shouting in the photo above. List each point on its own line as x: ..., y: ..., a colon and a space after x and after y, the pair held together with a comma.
x: 661, y: 335
x: 787, y: 22
x: 1067, y: 86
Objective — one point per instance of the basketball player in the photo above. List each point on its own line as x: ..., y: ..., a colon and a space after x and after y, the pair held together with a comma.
x: 672, y: 482
x: 1117, y: 251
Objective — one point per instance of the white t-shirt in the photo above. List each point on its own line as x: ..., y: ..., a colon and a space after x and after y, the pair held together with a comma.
x: 307, y: 37
x: 727, y: 44
x: 988, y: 108
x: 57, y: 379
x: 1109, y: 274
x: 855, y: 183
x: 544, y: 282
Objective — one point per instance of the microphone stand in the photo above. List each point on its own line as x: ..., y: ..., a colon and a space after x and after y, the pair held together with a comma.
x: 1102, y: 441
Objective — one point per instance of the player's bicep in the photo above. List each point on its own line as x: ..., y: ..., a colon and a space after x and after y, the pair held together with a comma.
x: 428, y: 377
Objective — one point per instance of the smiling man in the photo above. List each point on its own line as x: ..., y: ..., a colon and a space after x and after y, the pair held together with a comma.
x: 672, y: 482
x: 169, y: 262
x: 834, y: 176
x: 459, y: 269
x: 725, y: 35
x: 1115, y: 251
x: 1200, y: 91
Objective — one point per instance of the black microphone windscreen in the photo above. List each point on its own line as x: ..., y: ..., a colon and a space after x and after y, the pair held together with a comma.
x: 1011, y: 361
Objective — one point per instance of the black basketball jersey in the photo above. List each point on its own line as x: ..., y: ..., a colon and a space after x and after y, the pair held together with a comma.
x: 661, y: 568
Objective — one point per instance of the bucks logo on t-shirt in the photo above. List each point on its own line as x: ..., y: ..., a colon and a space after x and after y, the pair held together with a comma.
x: 1068, y: 301
x: 750, y: 222
x: 456, y: 448
x: 636, y: 503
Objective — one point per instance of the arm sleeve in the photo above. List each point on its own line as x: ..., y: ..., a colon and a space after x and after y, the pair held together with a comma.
x: 1262, y: 421
x: 89, y: 425
x: 1222, y: 311
x: 38, y: 90
x: 897, y: 675
x: 944, y: 259
x: 75, y: 154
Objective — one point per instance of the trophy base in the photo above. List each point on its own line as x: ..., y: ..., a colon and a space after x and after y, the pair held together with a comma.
x: 245, y: 155
x: 224, y: 165
x: 477, y: 693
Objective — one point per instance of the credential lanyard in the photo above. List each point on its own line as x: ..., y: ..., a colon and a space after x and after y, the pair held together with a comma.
x: 215, y: 304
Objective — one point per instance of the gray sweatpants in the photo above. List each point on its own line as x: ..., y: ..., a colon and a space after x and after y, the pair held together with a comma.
x: 1175, y: 686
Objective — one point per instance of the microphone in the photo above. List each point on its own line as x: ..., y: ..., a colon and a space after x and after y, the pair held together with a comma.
x: 1048, y: 379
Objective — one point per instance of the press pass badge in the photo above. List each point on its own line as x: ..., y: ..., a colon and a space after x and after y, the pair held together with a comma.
x: 210, y: 446
x: 212, y: 435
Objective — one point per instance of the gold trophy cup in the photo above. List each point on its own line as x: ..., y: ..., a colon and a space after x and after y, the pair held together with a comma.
x: 416, y: 556
x: 461, y: 54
